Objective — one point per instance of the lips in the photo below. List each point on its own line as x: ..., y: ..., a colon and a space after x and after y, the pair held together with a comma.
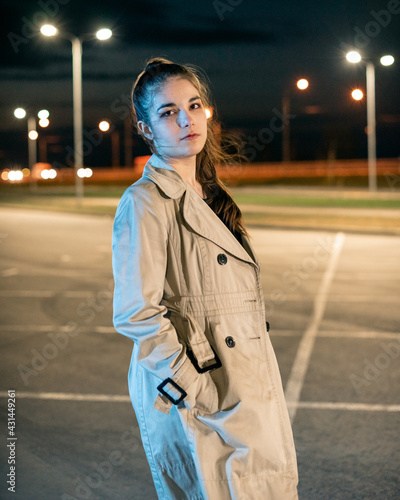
x: 191, y: 136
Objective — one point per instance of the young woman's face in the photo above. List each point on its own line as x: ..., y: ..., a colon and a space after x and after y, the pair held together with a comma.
x: 178, y: 122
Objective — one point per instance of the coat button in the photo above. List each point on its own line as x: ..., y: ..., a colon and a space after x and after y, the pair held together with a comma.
x: 267, y: 325
x: 230, y: 342
x: 222, y: 259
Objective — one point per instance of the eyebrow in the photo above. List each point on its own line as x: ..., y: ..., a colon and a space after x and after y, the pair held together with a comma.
x: 169, y: 104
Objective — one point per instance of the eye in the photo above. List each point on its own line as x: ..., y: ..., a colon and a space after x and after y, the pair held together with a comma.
x: 167, y: 113
x: 197, y: 105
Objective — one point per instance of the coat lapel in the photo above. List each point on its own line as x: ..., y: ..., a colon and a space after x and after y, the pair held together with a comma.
x: 195, y: 211
x: 203, y: 220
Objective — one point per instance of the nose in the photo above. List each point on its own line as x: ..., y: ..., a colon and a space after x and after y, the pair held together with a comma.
x: 185, y: 119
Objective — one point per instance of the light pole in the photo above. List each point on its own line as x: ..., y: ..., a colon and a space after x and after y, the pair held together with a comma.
x: 102, y: 34
x: 20, y: 113
x: 355, y: 57
x: 302, y: 84
x: 105, y: 126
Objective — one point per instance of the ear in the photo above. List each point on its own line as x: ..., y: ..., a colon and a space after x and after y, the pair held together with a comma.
x: 145, y: 130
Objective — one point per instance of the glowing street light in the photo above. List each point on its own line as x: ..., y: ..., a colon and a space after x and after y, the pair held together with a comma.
x: 104, y: 125
x: 48, y: 30
x: 357, y: 94
x: 387, y: 60
x: 353, y: 56
x: 102, y: 34
x: 43, y: 114
x: 33, y: 135
x: 302, y: 84
x: 19, y: 113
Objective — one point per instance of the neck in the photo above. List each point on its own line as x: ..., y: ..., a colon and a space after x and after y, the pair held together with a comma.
x: 186, y: 167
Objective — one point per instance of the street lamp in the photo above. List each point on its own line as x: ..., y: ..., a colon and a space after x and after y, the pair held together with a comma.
x: 301, y: 84
x: 43, y: 116
x: 33, y: 136
x: 357, y: 94
x: 105, y: 126
x: 102, y: 34
x: 355, y: 57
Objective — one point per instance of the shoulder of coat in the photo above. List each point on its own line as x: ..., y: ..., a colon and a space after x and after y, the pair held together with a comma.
x: 146, y: 193
x: 141, y: 198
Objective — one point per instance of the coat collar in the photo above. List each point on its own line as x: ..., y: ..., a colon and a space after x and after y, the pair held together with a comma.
x: 195, y: 211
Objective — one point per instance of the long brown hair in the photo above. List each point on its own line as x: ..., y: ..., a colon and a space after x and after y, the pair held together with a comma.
x: 222, y: 149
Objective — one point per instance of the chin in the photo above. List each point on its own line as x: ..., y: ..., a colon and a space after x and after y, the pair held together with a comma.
x: 191, y: 151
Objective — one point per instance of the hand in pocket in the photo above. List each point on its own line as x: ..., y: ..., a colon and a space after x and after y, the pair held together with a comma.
x: 202, y: 394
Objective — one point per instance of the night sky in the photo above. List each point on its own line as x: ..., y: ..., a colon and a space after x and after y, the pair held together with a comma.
x: 251, y: 51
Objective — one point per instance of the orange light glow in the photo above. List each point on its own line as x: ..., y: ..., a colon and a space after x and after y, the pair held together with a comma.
x: 357, y: 94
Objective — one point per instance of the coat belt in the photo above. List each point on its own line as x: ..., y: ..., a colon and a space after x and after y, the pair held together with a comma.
x: 196, y: 338
x: 198, y: 349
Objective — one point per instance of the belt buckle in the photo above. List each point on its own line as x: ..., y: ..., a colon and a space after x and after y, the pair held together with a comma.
x: 168, y: 380
x: 214, y: 366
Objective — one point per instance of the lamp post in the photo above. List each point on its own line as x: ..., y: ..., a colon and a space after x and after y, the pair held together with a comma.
x: 20, y: 113
x: 105, y: 126
x: 102, y: 34
x: 302, y: 84
x: 355, y: 57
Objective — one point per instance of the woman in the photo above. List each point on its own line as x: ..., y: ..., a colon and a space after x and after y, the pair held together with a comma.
x: 203, y: 379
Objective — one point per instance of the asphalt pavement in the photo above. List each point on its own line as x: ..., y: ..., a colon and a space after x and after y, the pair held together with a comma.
x: 332, y: 299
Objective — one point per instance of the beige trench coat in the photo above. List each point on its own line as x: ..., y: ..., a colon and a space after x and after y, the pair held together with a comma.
x: 190, y: 296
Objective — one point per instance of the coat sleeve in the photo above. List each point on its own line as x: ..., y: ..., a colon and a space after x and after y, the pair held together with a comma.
x: 139, y: 246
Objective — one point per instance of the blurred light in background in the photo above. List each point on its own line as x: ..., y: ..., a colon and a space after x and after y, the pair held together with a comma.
x: 26, y: 172
x: 104, y: 126
x: 48, y: 174
x: 4, y: 175
x: 313, y: 110
x: 48, y: 30
x: 19, y: 113
x: 387, y: 60
x: 44, y: 122
x: 353, y: 56
x: 14, y: 175
x: 104, y: 34
x: 33, y: 135
x: 85, y: 172
x: 302, y: 84
x: 43, y: 114
x: 208, y: 113
x: 357, y: 94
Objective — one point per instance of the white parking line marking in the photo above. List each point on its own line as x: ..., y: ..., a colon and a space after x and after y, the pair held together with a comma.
x: 274, y: 333
x: 360, y: 335
x: 83, y: 294
x: 26, y: 293
x: 55, y: 328
x: 61, y: 396
x: 339, y: 334
x: 69, y: 294
x: 301, y: 362
x: 343, y: 297
x: 316, y: 405
x: 120, y: 398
